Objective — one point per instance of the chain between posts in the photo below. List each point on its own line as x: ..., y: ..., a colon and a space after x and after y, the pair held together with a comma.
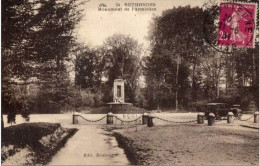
x: 93, y: 120
x: 127, y: 120
x: 166, y: 120
x: 246, y: 119
x: 219, y: 120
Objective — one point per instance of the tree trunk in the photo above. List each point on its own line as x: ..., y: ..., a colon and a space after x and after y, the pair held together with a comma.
x: 194, y: 88
x: 254, y: 77
x: 177, y: 89
x: 217, y: 86
x: 226, y: 82
x: 123, y: 65
x: 2, y: 121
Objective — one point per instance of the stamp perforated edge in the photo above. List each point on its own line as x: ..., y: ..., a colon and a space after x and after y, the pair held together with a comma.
x: 255, y: 16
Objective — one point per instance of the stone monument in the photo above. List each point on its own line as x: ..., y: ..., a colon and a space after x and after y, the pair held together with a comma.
x: 118, y: 96
x: 119, y: 91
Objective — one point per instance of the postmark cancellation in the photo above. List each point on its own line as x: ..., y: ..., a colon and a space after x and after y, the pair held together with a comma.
x: 237, y: 22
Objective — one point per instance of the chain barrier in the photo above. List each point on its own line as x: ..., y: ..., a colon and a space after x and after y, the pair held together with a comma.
x: 128, y: 121
x: 93, y: 120
x: 237, y: 118
x: 166, y: 120
x: 219, y: 120
x: 246, y: 119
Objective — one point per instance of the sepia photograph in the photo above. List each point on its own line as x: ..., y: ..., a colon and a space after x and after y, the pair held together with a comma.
x: 129, y: 82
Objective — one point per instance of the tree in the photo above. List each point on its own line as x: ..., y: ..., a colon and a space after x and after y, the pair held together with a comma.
x: 185, y: 59
x: 122, y: 60
x: 17, y: 26
x: 246, y: 78
x: 213, y: 69
x: 37, y: 38
x: 158, y: 75
x: 89, y: 69
x: 54, y: 41
x: 236, y: 64
x: 177, y: 37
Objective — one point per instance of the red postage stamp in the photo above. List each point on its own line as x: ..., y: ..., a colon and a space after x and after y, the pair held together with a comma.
x: 237, y: 24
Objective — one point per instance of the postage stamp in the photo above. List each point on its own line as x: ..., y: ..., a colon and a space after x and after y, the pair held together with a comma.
x: 237, y: 24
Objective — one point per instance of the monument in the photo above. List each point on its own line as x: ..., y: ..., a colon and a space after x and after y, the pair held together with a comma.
x: 119, y: 91
x: 119, y: 95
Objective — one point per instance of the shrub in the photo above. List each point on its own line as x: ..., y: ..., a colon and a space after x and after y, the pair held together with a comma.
x: 87, y: 98
x: 98, y: 99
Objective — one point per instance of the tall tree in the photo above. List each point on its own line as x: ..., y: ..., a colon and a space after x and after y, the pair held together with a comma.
x: 159, y: 78
x: 213, y: 66
x: 36, y: 40
x: 89, y: 69
x: 17, y: 25
x: 122, y: 56
x: 54, y: 40
x: 178, y: 35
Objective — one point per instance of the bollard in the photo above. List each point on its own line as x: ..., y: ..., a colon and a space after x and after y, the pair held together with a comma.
x: 109, y: 118
x: 211, y: 119
x: 150, y: 121
x: 239, y: 116
x: 230, y: 117
x: 256, y: 117
x: 144, y: 118
x: 75, y: 119
x: 201, y: 118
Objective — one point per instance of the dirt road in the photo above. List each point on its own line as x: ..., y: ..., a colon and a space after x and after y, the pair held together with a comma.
x: 192, y: 144
x: 91, y: 145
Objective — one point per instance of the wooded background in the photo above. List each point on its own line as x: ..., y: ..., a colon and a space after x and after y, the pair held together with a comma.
x: 45, y: 69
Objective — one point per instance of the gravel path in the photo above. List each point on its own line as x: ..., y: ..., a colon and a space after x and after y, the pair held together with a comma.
x: 91, y: 145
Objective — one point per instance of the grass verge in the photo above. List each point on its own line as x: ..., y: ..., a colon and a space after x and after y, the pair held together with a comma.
x: 33, y: 143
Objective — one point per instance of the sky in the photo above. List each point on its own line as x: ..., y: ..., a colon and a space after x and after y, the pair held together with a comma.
x: 96, y: 26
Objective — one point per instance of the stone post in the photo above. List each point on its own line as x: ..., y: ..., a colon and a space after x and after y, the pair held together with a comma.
x: 230, y: 117
x: 239, y: 116
x: 75, y: 119
x: 201, y: 118
x: 150, y: 121
x: 110, y: 118
x: 144, y: 118
x: 256, y: 117
x: 211, y: 119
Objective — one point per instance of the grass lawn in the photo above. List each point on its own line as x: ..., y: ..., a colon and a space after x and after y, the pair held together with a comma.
x: 33, y: 143
x: 27, y: 134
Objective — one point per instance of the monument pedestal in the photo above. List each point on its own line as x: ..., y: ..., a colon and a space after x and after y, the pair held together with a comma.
x: 119, y: 104
x: 119, y: 107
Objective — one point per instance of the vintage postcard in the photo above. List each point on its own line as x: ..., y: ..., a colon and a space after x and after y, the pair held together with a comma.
x: 130, y: 82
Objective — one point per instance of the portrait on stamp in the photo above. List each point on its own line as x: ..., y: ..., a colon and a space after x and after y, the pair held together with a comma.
x: 237, y: 24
